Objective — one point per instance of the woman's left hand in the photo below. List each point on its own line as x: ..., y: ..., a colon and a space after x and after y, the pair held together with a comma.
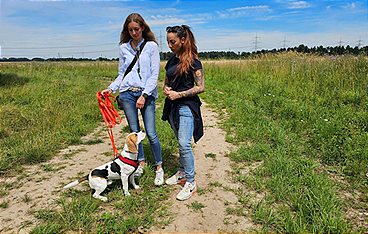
x: 140, y: 102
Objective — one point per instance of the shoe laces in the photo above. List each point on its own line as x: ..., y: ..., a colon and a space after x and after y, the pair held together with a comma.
x: 180, y: 174
x: 188, y: 185
x: 159, y: 171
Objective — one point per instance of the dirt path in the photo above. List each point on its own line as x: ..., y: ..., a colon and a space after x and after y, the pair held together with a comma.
x: 37, y: 187
x: 214, y: 188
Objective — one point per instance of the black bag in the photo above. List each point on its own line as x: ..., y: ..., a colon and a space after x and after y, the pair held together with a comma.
x: 131, y: 65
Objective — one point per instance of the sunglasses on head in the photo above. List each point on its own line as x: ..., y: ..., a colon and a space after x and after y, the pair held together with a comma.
x: 176, y: 29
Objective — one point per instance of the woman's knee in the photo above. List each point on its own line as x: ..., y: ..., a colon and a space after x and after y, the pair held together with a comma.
x: 152, y: 136
x: 184, y: 145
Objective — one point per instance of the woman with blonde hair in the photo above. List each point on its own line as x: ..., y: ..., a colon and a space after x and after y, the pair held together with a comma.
x: 138, y: 87
x: 184, y: 81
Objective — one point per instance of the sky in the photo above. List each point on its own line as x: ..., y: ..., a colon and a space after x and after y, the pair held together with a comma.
x: 91, y: 28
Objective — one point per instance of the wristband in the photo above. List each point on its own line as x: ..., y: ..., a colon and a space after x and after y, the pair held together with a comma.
x: 145, y: 95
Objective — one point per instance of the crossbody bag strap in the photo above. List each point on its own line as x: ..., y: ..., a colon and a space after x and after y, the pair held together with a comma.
x: 131, y: 65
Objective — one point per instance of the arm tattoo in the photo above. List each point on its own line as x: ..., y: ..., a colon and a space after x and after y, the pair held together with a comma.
x: 199, y: 84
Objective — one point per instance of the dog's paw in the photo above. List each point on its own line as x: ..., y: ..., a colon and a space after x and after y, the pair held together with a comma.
x: 136, y: 187
x: 127, y: 193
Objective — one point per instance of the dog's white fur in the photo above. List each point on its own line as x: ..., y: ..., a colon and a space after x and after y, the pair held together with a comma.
x: 102, y: 176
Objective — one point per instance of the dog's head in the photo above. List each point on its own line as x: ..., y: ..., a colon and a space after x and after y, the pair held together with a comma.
x: 132, y: 141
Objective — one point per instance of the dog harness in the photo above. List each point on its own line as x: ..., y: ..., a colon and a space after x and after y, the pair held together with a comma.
x: 133, y: 163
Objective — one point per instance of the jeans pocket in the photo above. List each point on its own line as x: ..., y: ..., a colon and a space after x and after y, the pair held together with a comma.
x: 120, y: 102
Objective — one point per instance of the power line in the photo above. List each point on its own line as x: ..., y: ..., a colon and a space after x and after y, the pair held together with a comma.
x: 64, y: 53
x: 54, y: 47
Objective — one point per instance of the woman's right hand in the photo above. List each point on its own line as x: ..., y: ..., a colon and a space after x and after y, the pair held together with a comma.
x: 167, y: 90
x: 109, y: 91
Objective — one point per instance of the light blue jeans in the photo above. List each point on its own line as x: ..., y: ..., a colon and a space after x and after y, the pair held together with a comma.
x: 148, y: 112
x: 184, y: 136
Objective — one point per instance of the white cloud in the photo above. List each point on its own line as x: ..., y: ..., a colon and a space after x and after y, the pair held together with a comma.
x: 246, y: 41
x: 260, y: 7
x: 298, y: 5
x: 154, y: 21
x: 350, y: 6
x: 165, y: 20
x: 243, y: 11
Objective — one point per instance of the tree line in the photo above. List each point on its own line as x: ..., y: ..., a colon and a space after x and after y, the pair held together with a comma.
x: 318, y: 50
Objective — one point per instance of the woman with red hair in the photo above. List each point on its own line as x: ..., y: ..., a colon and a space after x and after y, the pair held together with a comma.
x: 184, y: 81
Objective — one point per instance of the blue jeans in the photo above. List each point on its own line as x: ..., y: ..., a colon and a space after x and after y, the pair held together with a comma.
x: 148, y: 112
x: 184, y: 136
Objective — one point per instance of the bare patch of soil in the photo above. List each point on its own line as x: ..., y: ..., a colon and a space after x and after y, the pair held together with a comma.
x: 209, y: 210
x: 38, y: 186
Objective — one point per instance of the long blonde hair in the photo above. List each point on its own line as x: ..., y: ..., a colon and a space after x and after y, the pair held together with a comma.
x: 147, y: 34
x: 188, y: 51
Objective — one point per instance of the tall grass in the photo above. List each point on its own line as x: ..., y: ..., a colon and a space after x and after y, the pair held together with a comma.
x: 299, y: 115
x: 46, y: 106
x: 304, y: 117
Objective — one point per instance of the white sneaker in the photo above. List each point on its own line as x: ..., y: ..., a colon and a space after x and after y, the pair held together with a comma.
x: 139, y: 171
x: 159, y: 180
x: 187, y: 191
x: 178, y: 178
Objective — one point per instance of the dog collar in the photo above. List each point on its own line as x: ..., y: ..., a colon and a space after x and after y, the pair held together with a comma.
x: 133, y: 163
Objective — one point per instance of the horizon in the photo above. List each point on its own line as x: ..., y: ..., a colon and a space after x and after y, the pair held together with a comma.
x: 91, y: 28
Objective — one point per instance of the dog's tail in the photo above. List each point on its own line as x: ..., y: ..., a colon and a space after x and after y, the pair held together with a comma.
x: 76, y: 182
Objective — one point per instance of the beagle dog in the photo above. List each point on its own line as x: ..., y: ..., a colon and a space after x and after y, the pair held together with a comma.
x: 122, y: 167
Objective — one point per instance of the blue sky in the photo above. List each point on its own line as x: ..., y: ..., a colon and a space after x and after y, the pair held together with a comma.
x: 91, y: 28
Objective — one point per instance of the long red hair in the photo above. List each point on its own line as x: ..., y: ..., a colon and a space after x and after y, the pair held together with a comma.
x: 188, y: 51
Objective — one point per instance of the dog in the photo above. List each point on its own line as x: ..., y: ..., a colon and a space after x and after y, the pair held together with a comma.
x: 122, y: 167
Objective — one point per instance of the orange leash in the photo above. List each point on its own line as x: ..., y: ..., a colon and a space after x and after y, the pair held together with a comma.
x: 109, y: 115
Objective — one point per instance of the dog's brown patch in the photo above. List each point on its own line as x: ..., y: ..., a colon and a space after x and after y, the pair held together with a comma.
x: 131, y: 142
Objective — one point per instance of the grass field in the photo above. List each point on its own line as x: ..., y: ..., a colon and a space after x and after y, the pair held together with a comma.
x: 305, y: 118
x: 302, y: 119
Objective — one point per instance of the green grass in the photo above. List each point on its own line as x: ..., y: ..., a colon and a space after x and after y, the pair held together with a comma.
x: 196, y: 206
x: 298, y: 115
x: 304, y: 118
x: 47, y: 106
x: 79, y: 212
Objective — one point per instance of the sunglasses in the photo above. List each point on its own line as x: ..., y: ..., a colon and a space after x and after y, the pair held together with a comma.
x: 176, y: 29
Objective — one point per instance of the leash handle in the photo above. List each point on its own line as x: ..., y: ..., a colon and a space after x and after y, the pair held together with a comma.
x: 109, y: 114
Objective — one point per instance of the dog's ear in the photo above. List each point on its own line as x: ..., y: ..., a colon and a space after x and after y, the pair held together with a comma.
x: 131, y: 142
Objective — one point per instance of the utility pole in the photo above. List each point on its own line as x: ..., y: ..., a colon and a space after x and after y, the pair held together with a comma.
x: 284, y: 42
x: 256, y: 43
x: 359, y: 43
x: 340, y: 42
x: 161, y: 41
